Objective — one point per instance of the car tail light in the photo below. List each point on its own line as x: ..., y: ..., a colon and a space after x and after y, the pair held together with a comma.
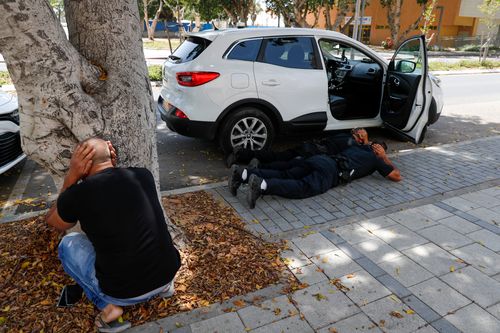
x: 179, y: 114
x: 193, y: 79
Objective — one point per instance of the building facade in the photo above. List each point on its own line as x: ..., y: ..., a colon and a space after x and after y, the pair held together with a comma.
x: 454, y: 20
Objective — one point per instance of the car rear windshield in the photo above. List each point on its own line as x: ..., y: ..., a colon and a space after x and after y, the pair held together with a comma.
x: 189, y: 50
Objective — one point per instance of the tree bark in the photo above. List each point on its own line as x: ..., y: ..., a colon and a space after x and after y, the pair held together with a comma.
x: 145, y: 4
x: 155, y: 20
x: 94, y: 84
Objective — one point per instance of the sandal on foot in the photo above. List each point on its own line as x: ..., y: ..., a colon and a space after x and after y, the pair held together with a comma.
x: 111, y: 327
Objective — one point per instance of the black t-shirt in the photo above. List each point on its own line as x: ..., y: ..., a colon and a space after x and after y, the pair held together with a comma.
x: 337, y: 143
x: 364, y: 161
x: 119, y: 210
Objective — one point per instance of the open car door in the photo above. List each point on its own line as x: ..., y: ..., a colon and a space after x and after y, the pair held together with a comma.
x: 407, y: 93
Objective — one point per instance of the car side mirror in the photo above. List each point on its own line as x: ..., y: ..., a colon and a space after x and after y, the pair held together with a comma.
x: 406, y: 66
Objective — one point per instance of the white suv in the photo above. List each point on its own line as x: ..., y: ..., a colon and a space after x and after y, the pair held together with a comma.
x: 11, y: 152
x: 244, y: 86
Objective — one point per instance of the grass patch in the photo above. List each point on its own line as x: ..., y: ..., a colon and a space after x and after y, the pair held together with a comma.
x: 5, y: 78
x: 154, y: 72
x: 161, y: 44
x: 463, y: 64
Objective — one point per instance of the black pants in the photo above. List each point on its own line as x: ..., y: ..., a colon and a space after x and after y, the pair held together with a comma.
x: 332, y: 145
x: 299, y: 178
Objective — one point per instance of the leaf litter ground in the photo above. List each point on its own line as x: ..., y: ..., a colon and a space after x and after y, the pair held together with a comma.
x: 220, y: 260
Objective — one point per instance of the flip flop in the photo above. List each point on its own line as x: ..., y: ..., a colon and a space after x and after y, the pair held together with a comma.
x: 112, y: 327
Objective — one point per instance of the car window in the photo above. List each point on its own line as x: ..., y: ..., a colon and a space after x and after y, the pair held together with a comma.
x: 246, y: 50
x: 409, y: 58
x: 334, y: 50
x: 292, y: 52
x: 189, y: 50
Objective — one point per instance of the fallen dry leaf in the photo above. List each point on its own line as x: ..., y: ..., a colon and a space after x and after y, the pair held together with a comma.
x: 239, y: 303
x: 396, y: 314
x: 409, y: 311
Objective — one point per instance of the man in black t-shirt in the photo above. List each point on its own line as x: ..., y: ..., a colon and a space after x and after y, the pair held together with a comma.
x: 126, y: 255
x: 313, y: 175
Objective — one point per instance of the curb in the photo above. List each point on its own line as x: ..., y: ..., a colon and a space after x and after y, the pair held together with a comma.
x: 466, y: 72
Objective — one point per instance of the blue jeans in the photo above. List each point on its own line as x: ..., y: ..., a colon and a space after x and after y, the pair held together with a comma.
x: 77, y: 256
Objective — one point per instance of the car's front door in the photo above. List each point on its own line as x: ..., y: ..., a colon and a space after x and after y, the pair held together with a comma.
x: 407, y: 95
x: 289, y: 75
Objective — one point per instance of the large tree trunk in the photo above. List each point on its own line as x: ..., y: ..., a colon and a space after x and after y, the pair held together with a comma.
x: 394, y: 18
x: 94, y: 84
x: 145, y: 4
x: 155, y: 20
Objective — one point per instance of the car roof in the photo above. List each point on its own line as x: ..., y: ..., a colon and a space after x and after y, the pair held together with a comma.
x: 261, y: 32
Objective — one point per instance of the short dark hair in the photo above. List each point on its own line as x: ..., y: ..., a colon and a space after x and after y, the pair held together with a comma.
x: 382, y: 143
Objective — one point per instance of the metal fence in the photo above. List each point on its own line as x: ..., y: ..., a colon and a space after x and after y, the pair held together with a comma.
x: 464, y: 43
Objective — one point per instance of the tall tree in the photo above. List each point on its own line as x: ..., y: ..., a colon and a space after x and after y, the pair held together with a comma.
x: 343, y: 7
x: 294, y: 12
x: 147, y: 5
x: 94, y: 84
x: 490, y: 9
x: 394, y: 8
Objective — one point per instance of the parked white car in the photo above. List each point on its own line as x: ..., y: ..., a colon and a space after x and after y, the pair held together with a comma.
x: 245, y: 86
x: 11, y: 152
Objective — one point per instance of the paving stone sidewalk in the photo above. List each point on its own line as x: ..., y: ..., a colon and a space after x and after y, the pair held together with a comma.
x: 429, y: 262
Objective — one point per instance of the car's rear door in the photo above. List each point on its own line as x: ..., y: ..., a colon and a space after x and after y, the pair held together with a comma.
x: 289, y: 75
x: 407, y: 94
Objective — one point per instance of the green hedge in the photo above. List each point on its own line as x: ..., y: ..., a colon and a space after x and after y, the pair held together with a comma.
x: 463, y: 64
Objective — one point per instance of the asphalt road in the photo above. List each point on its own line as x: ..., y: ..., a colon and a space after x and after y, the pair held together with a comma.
x: 472, y: 110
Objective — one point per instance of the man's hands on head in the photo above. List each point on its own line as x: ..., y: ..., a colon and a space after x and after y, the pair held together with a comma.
x: 81, y: 162
x: 112, y: 152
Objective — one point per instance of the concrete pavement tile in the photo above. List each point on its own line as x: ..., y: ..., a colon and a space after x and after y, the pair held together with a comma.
x: 309, y: 274
x: 474, y: 319
x: 359, y: 323
x: 377, y: 223
x: 350, y: 250
x: 496, y: 277
x: 444, y: 326
x: 269, y: 311
x: 426, y: 329
x: 379, y: 311
x: 459, y: 224
x: 433, y: 258
x: 332, y: 237
x: 363, y: 288
x: 185, y: 329
x: 313, y: 245
x: 439, y: 296
x: 336, y: 264
x: 461, y: 204
x: 480, y: 257
x: 394, y: 285
x: 412, y: 219
x: 492, y: 191
x: 151, y: 327
x: 434, y: 212
x: 371, y: 267
x: 293, y: 257
x: 405, y: 270
x: 323, y: 304
x: 483, y: 200
x: 378, y: 250
x: 495, y: 310
x: 475, y: 285
x: 354, y: 233
x: 486, y: 238
x: 422, y: 309
x: 445, y: 237
x: 226, y: 323
x: 400, y: 237
x: 289, y: 325
x: 487, y: 215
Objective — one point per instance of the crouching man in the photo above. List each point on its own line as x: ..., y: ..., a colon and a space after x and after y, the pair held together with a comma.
x: 127, y: 255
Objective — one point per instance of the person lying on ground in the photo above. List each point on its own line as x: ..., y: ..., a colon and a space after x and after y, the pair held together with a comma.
x: 303, y: 178
x: 331, y: 145
x: 126, y: 255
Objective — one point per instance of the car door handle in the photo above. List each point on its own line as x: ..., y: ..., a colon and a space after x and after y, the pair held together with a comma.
x: 371, y: 71
x: 271, y: 83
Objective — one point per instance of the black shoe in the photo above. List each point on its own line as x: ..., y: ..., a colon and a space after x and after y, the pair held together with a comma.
x: 235, y: 180
x: 233, y: 157
x: 254, y: 191
x: 254, y: 163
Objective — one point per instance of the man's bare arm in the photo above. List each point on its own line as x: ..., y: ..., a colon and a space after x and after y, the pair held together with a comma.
x: 395, y: 175
x: 80, y: 164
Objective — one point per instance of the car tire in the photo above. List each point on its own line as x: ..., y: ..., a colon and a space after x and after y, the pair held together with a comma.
x: 247, y: 127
